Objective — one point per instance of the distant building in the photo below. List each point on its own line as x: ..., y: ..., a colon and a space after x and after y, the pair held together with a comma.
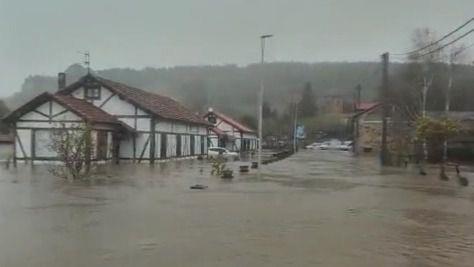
x: 127, y: 123
x: 229, y: 133
x: 335, y: 104
x: 367, y: 128
x: 365, y: 105
x: 461, y: 146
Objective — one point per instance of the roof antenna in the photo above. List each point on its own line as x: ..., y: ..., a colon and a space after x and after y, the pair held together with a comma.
x: 87, y: 61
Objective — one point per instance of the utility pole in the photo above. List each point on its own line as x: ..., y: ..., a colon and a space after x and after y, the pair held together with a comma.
x: 385, y: 108
x: 358, y: 90
x: 260, y: 100
x: 355, y: 124
x: 295, y: 127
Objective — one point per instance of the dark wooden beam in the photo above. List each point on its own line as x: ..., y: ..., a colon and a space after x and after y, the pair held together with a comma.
x: 106, y: 100
x: 133, y: 116
x: 88, y: 151
x: 33, y: 145
x: 144, y: 148
x: 50, y: 111
x: 134, y: 145
x: 21, y: 145
x: 41, y: 113
x: 152, y: 139
x: 14, y: 146
x: 135, y: 119
x: 59, y: 113
x: 49, y: 121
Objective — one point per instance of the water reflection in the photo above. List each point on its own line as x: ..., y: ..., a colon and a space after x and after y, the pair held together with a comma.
x: 327, y: 209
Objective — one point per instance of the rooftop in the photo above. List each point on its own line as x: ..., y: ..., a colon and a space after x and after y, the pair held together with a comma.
x: 161, y: 106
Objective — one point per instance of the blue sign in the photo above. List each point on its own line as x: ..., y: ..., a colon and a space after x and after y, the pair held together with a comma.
x: 300, y: 132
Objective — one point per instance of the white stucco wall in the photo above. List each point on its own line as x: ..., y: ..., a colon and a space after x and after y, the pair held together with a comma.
x: 197, y: 145
x: 185, y: 145
x: 163, y: 126
x: 143, y: 124
x: 249, y: 136
x: 142, y: 146
x: 23, y: 139
x: 43, y: 143
x: 117, y: 106
x: 124, y: 110
x: 171, y: 143
x: 157, y: 145
x: 6, y: 151
x: 42, y: 125
x: 126, y: 148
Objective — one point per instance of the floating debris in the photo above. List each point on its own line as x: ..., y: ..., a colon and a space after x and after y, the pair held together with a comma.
x: 227, y: 174
x: 198, y: 186
x: 244, y: 168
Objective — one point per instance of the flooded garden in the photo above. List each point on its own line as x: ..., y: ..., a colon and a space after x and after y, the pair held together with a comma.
x: 312, y: 209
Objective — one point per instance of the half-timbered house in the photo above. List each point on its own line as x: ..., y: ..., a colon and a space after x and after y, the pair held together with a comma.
x: 229, y: 133
x: 126, y: 123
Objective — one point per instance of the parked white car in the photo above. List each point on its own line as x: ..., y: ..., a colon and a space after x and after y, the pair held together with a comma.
x: 332, y: 144
x: 345, y: 146
x: 325, y: 146
x: 214, y: 152
x: 313, y: 145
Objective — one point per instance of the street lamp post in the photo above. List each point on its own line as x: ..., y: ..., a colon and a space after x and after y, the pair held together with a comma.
x: 260, y: 101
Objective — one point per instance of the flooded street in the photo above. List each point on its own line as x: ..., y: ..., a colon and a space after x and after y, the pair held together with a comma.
x: 316, y: 208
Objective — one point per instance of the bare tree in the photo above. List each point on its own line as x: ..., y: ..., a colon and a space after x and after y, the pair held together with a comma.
x: 417, y: 80
x: 436, y: 132
x: 73, y: 149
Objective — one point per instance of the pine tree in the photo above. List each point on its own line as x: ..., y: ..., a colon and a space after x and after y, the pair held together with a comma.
x: 307, y: 104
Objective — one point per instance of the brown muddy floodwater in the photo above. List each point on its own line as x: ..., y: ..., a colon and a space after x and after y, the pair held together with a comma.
x: 313, y: 209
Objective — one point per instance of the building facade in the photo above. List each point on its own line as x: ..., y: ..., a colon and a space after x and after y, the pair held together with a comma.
x: 126, y: 123
x: 229, y: 133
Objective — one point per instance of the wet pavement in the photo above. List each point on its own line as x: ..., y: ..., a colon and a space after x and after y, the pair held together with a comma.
x: 316, y: 208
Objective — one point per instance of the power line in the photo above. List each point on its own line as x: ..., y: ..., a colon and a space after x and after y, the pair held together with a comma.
x: 436, y: 42
x: 448, y: 44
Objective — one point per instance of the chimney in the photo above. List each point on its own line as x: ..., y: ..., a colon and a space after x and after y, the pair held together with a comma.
x: 61, y: 80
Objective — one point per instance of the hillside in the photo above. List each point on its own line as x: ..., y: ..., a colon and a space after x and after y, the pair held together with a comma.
x: 203, y: 86
x: 233, y: 89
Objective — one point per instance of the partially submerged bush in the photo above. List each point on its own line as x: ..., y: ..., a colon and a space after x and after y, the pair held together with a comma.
x: 218, y: 165
x: 435, y: 131
x: 74, y: 151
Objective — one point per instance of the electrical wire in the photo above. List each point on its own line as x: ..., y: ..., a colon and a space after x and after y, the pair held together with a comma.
x: 445, y: 45
x: 436, y: 42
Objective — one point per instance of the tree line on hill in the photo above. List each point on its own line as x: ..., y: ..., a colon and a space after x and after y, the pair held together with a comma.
x: 233, y: 89
x: 229, y: 88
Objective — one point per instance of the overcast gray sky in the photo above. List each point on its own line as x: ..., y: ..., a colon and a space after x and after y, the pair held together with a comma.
x: 43, y: 37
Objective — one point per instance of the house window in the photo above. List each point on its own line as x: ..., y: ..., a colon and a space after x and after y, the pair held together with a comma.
x: 92, y: 92
x: 212, y: 118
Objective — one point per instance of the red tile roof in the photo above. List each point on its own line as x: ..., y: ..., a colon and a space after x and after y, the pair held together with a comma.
x: 161, y: 106
x: 232, y: 122
x: 85, y: 109
x: 82, y: 108
x: 217, y: 131
x: 366, y: 105
x: 367, y: 110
